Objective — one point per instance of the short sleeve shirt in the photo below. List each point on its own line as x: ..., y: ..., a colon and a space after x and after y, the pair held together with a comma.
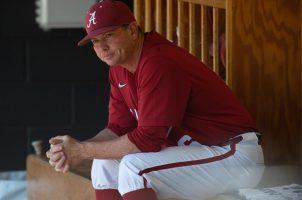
x: 173, y: 89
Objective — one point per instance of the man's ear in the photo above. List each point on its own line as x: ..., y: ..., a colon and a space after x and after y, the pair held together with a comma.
x: 133, y: 27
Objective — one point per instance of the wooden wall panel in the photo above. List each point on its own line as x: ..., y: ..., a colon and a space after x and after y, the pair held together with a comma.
x: 266, y: 72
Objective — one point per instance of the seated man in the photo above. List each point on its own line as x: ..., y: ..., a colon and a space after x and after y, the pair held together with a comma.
x: 175, y: 129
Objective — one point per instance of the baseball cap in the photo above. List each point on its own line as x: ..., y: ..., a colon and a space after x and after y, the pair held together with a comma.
x: 104, y: 16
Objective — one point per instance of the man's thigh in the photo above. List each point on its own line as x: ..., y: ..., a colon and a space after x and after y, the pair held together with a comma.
x: 191, y: 172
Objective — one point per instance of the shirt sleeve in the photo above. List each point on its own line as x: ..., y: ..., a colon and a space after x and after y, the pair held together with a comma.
x: 149, y: 139
x: 163, y: 93
x: 120, y: 120
x: 162, y: 101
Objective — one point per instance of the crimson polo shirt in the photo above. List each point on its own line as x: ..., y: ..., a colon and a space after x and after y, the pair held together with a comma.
x: 172, y: 94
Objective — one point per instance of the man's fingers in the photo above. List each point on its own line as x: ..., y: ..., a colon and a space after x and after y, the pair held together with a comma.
x: 55, y: 148
x: 48, y: 154
x: 66, y: 168
x: 60, y: 163
x: 52, y: 163
x: 58, y: 139
x: 55, y: 140
x: 56, y: 156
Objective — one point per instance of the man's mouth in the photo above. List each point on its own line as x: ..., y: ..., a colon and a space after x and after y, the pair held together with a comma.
x: 108, y: 56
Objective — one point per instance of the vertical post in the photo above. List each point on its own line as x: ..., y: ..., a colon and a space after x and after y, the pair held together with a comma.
x: 148, y: 15
x: 229, y: 44
x: 180, y: 30
x: 159, y: 18
x: 216, y: 40
x: 138, y: 11
x: 204, y: 35
x: 192, y: 29
x: 170, y: 20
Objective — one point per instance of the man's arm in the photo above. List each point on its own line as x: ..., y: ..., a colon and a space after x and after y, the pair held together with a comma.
x: 108, y: 149
x: 105, y: 134
x: 105, y: 145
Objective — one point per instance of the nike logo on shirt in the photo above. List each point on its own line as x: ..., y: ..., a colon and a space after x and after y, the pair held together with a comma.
x: 121, y: 85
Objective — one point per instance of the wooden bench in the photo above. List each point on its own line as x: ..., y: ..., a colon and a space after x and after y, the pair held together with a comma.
x: 45, y: 183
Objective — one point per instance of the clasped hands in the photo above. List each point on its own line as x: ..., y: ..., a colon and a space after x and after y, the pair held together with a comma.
x: 64, y: 153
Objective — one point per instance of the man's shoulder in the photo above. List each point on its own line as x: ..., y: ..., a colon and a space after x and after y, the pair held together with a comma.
x: 157, y: 44
x: 157, y: 53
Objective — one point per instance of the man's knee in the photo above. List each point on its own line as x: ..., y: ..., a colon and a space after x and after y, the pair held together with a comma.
x: 129, y: 178
x: 104, y: 173
x: 102, y: 165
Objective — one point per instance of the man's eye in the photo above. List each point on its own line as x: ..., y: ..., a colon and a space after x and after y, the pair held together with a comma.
x: 93, y: 41
x: 108, y: 35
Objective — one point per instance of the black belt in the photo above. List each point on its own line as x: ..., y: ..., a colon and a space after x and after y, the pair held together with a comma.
x: 235, y: 139
x: 259, y: 138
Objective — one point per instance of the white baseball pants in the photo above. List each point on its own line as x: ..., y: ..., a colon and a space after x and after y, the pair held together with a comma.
x: 185, y: 172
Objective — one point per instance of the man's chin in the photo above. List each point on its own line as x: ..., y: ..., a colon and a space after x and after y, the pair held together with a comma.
x: 108, y: 62
x: 111, y: 63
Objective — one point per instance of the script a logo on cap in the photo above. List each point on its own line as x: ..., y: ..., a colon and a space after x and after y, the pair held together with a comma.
x: 92, y: 19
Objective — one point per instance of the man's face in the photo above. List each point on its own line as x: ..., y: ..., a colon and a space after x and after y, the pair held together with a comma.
x: 114, y: 47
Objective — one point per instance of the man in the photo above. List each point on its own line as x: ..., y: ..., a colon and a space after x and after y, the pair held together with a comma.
x: 175, y: 129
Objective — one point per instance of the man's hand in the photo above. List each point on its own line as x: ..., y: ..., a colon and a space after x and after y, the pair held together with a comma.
x: 66, y: 151
x: 56, y: 156
x: 71, y: 148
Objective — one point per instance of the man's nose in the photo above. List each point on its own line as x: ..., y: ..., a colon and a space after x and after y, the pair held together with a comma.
x: 102, y: 45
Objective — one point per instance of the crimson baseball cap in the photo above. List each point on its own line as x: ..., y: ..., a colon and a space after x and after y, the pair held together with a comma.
x: 104, y: 16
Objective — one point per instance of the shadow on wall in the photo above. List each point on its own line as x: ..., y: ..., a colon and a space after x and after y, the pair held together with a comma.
x: 48, y: 85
